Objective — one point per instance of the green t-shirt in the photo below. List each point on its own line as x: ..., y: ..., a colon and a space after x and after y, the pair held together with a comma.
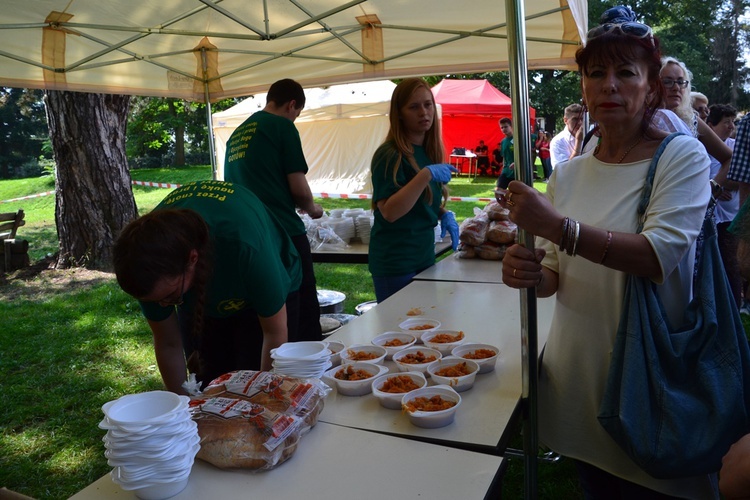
x: 260, y: 154
x: 408, y: 244
x: 254, y: 262
x: 506, y: 149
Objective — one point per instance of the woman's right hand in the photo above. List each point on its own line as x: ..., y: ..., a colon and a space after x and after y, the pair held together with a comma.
x: 532, y: 211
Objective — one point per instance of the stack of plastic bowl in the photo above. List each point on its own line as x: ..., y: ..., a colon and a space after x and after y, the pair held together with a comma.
x: 363, y: 226
x: 151, y: 442
x: 301, y: 359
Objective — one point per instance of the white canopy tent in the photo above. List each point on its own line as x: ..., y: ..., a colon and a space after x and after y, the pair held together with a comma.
x: 340, y: 127
x: 198, y: 49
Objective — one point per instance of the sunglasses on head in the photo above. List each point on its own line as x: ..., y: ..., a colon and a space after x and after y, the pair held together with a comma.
x: 630, y: 28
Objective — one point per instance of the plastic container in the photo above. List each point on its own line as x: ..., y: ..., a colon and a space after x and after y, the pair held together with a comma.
x: 445, y: 348
x: 459, y: 384
x: 371, y: 349
x: 486, y: 365
x: 417, y: 326
x: 354, y: 387
x: 415, y: 350
x: 406, y: 339
x: 392, y: 400
x: 432, y: 419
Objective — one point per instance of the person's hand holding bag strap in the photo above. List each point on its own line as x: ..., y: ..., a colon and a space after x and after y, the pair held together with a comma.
x: 441, y: 172
x: 448, y: 224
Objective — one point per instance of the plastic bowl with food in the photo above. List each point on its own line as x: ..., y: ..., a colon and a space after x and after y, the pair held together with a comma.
x: 443, y: 340
x: 458, y: 373
x: 431, y: 407
x: 354, y: 379
x: 415, y: 359
x: 419, y: 325
x: 369, y: 353
x: 335, y: 346
x: 394, y: 342
x: 484, y: 354
x: 390, y: 388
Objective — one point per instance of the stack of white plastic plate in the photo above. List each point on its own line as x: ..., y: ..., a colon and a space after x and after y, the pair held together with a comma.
x: 301, y: 359
x: 151, y: 442
x: 343, y: 227
x: 364, y: 225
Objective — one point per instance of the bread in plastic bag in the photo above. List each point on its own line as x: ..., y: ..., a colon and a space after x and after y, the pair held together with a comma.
x: 254, y: 420
x: 495, y: 211
x: 473, y: 230
x: 502, y: 231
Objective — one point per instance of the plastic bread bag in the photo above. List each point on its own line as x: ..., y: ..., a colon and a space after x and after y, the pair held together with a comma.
x: 502, y: 231
x: 473, y: 230
x: 466, y: 252
x: 254, y: 420
x: 495, y: 211
x: 490, y: 250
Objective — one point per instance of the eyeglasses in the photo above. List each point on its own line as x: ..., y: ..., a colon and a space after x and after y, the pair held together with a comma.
x: 630, y: 28
x: 669, y: 83
x: 169, y: 301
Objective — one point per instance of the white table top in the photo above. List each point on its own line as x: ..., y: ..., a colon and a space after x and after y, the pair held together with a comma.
x: 334, y: 462
x: 487, y: 313
x: 358, y: 252
x: 452, y: 268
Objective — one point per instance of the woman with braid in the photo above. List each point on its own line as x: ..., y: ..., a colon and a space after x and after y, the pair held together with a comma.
x: 217, y: 278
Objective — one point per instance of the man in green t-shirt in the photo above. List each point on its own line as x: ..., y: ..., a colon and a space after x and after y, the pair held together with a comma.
x: 506, y: 150
x: 264, y: 154
x: 217, y: 278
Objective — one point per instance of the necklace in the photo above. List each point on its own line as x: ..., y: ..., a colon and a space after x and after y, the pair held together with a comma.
x: 596, y: 151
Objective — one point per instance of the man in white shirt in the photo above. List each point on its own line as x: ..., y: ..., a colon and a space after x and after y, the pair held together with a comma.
x: 566, y: 145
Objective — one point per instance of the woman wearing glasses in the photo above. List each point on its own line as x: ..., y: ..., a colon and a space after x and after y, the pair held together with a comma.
x: 217, y: 278
x: 587, y: 242
x: 676, y: 80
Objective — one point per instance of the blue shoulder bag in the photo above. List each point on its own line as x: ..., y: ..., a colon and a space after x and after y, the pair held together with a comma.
x: 676, y: 400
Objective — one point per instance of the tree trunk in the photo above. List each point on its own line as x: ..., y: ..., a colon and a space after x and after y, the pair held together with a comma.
x: 94, y: 198
x: 179, y: 135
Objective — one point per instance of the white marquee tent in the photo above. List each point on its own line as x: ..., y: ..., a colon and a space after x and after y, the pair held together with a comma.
x: 340, y: 127
x: 229, y: 48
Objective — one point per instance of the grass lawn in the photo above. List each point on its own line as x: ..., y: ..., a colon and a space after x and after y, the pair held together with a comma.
x: 73, y: 340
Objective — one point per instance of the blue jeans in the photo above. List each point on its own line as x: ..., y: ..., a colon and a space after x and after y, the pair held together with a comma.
x: 385, y: 286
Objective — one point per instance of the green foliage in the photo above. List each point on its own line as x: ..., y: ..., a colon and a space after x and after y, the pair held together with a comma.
x: 23, y: 131
x: 165, y: 131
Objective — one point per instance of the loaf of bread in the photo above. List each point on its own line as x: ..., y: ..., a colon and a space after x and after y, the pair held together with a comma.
x: 502, y: 231
x: 489, y: 250
x: 254, y: 420
x: 495, y: 211
x: 473, y: 230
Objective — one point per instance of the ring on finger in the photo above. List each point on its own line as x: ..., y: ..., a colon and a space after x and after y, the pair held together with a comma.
x: 514, y: 272
x: 510, y: 195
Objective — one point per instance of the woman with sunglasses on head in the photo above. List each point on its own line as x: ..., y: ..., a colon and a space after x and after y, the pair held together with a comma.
x: 587, y: 243
x: 217, y: 278
x: 408, y: 189
x: 676, y: 78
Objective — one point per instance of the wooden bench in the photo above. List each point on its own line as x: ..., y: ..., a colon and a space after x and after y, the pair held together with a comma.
x: 9, y: 224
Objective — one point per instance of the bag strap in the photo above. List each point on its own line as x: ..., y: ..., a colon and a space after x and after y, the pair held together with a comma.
x: 649, y: 184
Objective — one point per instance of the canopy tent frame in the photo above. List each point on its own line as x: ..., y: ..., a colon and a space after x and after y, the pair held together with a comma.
x: 103, y: 62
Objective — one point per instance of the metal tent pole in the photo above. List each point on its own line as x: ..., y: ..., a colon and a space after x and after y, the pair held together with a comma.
x: 514, y: 13
x: 209, y: 118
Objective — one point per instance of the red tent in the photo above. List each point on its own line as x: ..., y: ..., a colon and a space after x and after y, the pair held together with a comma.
x: 471, y: 111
